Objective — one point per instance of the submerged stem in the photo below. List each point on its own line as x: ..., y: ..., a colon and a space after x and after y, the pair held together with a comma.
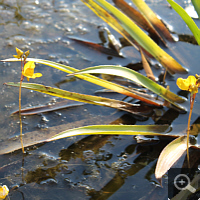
x: 20, y: 117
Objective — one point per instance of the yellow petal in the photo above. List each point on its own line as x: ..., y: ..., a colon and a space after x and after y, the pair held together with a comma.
x: 3, y: 191
x: 27, y: 53
x: 183, y: 84
x: 29, y: 65
x: 38, y: 75
x: 16, y: 56
x: 189, y: 84
x: 192, y: 80
x: 19, y: 53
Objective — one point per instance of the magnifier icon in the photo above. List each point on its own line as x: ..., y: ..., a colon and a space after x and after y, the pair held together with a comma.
x: 182, y: 182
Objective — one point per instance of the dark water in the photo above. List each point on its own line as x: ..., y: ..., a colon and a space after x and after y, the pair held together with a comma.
x: 93, y: 167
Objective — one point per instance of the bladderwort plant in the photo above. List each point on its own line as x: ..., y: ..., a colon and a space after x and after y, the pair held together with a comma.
x: 190, y: 84
x: 27, y: 70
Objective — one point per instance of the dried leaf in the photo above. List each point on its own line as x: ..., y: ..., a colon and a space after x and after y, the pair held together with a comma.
x: 98, y: 47
x: 153, y: 19
x: 147, y: 67
x: 170, y: 154
x: 138, y: 18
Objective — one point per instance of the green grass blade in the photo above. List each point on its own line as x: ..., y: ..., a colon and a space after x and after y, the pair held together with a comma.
x: 114, y: 130
x: 93, y: 79
x: 101, y: 101
x: 196, y: 4
x: 187, y: 19
x: 138, y: 78
x: 120, y: 22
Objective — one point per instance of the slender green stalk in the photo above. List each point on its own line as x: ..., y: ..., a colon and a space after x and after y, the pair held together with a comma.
x: 20, y: 117
x: 192, y: 98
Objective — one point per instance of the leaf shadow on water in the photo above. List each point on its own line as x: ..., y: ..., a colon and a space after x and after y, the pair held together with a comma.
x: 93, y: 167
x: 90, y: 168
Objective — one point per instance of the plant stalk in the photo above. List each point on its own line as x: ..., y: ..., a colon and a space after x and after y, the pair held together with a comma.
x: 192, y: 98
x: 20, y: 117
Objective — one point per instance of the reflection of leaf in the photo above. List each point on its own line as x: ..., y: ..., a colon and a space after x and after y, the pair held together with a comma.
x: 98, y: 47
x: 187, y: 38
x: 195, y: 127
x: 170, y: 154
x: 134, y: 163
x: 138, y: 78
x: 101, y: 101
x: 48, y: 108
x: 93, y: 142
x: 41, y: 135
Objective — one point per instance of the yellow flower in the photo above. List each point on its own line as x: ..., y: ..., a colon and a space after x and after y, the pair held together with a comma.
x: 3, y: 191
x: 29, y: 70
x: 19, y: 53
x: 27, y: 53
x: 189, y: 84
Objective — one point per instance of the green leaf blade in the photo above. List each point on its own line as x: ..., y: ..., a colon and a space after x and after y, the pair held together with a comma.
x: 124, y: 24
x: 114, y: 130
x: 138, y: 78
x: 196, y: 4
x: 101, y: 101
x: 187, y: 19
x: 87, y: 77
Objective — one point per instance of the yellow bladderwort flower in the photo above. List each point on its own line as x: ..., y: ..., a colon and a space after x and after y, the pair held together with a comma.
x: 19, y: 53
x: 3, y: 191
x: 189, y: 84
x: 29, y: 71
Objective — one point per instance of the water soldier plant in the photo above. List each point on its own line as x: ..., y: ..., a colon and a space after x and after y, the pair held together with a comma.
x: 138, y: 38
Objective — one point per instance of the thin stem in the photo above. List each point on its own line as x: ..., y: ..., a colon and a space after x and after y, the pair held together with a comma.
x: 164, y: 77
x: 20, y: 117
x: 192, y: 98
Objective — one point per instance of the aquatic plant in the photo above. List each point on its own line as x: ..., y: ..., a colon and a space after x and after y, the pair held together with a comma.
x: 27, y: 70
x: 125, y: 26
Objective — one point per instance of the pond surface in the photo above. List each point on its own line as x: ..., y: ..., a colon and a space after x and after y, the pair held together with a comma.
x: 93, y: 167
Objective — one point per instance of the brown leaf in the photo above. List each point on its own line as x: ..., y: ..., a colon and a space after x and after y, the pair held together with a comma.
x: 153, y: 19
x: 98, y: 47
x: 138, y: 18
x: 147, y: 67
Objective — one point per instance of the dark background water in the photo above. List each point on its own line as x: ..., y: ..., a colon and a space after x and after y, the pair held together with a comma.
x: 94, y: 167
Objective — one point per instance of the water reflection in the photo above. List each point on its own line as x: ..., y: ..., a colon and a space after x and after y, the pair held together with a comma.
x: 94, y: 167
